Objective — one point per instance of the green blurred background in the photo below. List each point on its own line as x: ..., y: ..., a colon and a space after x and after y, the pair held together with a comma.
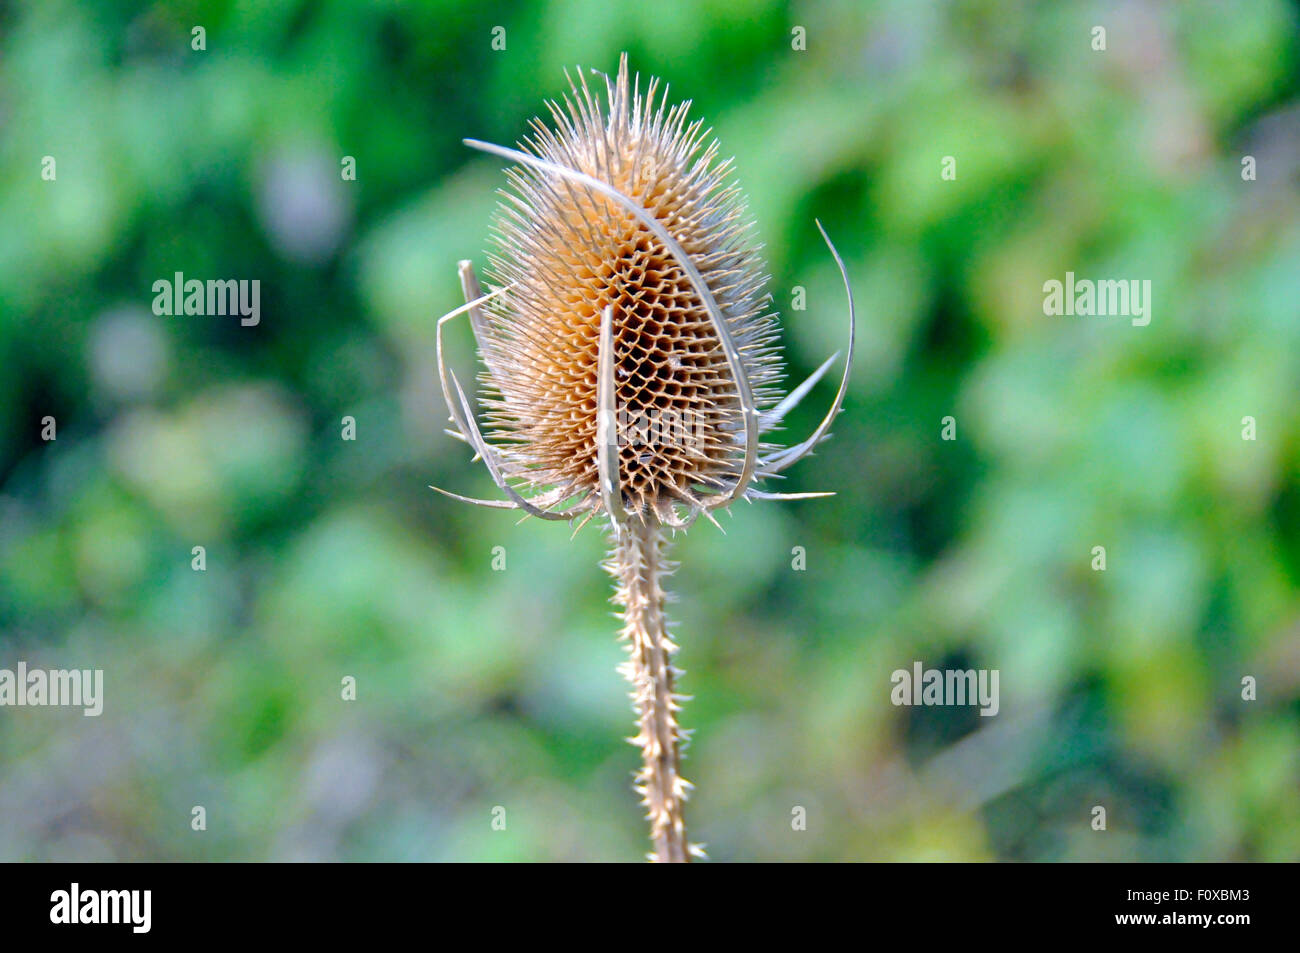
x: 477, y: 689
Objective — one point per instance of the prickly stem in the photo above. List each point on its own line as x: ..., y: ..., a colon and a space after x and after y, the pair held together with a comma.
x: 638, y: 565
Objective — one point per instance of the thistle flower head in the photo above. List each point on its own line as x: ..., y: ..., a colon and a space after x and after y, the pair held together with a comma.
x: 630, y: 365
x: 630, y: 349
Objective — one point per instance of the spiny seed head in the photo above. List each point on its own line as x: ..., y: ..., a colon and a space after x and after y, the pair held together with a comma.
x: 629, y: 345
x: 630, y: 362
x: 567, y: 252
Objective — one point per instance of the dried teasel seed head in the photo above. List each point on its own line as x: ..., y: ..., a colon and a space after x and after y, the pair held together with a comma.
x: 631, y: 365
x: 567, y: 253
x: 630, y: 347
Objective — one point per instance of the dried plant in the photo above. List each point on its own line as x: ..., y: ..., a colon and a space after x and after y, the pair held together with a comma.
x: 630, y: 366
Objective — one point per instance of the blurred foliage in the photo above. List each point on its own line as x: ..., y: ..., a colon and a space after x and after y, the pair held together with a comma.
x: 476, y: 688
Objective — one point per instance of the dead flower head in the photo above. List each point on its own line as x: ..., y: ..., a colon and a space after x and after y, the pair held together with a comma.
x: 629, y: 347
x: 630, y: 364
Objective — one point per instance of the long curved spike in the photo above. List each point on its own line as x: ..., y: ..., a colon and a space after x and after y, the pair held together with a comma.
x: 756, y: 494
x: 474, y: 298
x: 783, y: 458
x: 442, y: 364
x: 465, y: 420
x: 777, y: 413
x: 611, y: 488
x: 495, y: 504
x: 749, y: 411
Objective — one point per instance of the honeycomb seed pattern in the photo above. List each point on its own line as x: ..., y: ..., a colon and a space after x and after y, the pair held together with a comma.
x: 567, y: 252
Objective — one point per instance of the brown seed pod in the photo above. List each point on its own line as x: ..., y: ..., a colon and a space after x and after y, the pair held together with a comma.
x: 567, y: 254
x: 630, y: 359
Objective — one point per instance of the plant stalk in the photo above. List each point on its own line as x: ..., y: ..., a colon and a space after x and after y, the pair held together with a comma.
x: 638, y: 565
